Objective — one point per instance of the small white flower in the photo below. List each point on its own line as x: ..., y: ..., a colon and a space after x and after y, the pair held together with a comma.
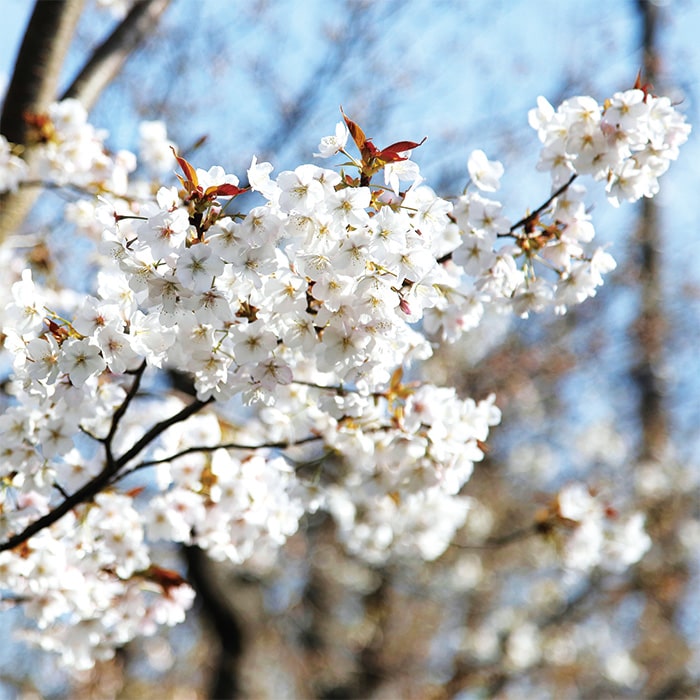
x: 81, y: 360
x: 330, y: 145
x: 484, y: 173
x: 197, y: 267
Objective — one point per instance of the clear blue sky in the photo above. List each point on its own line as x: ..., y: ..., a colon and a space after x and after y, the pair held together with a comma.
x: 15, y: 15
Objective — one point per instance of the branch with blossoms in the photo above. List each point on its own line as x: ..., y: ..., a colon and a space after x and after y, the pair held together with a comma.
x: 588, y: 531
x: 205, y: 449
x: 311, y: 309
x: 112, y: 468
x: 527, y: 222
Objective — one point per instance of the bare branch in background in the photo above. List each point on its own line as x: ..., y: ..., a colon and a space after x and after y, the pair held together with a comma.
x: 107, y: 59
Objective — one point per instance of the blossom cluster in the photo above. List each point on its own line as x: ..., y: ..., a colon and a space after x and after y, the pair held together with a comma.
x: 313, y: 309
x: 13, y: 169
x: 628, y: 142
x: 599, y: 536
x: 71, y: 151
x: 88, y: 582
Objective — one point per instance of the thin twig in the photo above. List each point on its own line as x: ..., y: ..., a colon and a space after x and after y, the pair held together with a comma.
x: 533, y: 215
x: 89, y: 490
x: 204, y: 449
x: 119, y: 413
x: 502, y: 540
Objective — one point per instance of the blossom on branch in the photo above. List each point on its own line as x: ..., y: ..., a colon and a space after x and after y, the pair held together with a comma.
x: 310, y: 308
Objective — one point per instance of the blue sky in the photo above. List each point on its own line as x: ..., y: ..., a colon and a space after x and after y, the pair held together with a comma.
x: 15, y: 14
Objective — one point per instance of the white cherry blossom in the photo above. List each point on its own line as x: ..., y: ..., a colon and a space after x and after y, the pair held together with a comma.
x: 307, y: 309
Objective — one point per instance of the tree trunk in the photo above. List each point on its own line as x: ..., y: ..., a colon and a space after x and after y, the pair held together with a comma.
x: 33, y: 87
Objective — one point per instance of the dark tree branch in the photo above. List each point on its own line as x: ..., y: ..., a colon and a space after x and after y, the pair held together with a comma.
x: 88, y: 491
x: 530, y: 218
x: 124, y: 406
x: 503, y: 540
x: 203, y: 449
x: 109, y: 57
x: 159, y: 428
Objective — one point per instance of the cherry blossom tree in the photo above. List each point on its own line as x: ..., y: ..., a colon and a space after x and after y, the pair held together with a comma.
x: 298, y: 310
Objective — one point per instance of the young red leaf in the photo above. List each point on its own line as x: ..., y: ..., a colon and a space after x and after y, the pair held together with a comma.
x: 392, y: 153
x: 401, y: 146
x: 187, y: 169
x: 370, y: 150
x: 646, y: 88
x: 58, y: 332
x: 166, y: 578
x: 389, y: 156
x: 358, y: 136
x: 136, y: 491
x: 225, y: 190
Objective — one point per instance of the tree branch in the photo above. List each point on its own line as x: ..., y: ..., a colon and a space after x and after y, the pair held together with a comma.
x: 109, y: 57
x: 88, y: 491
x: 503, y: 540
x: 223, y: 446
x: 124, y: 405
x: 533, y: 216
x: 159, y: 428
x: 32, y: 88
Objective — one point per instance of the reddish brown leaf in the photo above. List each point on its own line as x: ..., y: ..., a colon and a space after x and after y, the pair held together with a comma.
x: 358, y: 136
x: 370, y: 150
x: 646, y: 88
x: 225, y: 190
x: 401, y: 146
x: 392, y: 153
x: 187, y: 169
x: 136, y: 491
x: 389, y: 156
x: 167, y: 578
x: 58, y: 332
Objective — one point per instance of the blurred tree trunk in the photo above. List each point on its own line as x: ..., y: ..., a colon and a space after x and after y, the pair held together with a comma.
x: 202, y: 574
x: 663, y: 649
x: 33, y: 87
x: 650, y: 328
x: 36, y: 73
